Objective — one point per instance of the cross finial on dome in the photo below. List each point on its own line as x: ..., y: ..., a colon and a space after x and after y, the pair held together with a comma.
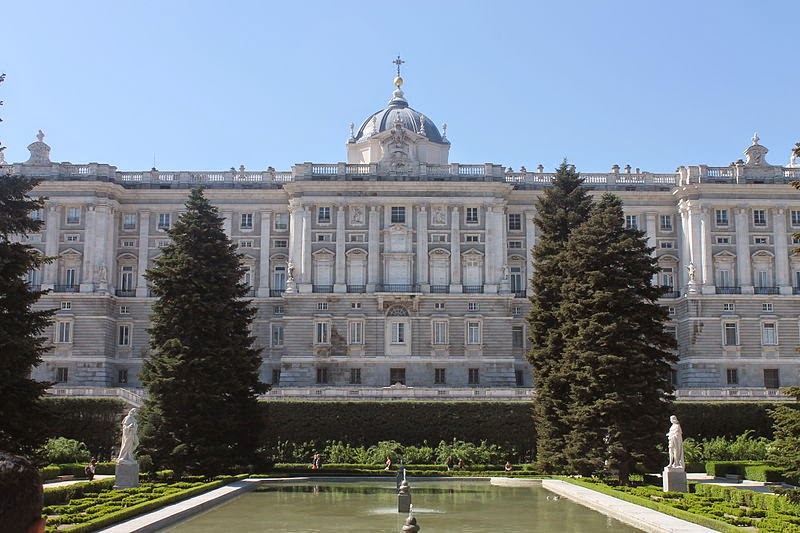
x: 755, y: 138
x: 398, y: 62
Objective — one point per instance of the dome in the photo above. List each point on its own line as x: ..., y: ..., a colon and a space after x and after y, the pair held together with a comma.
x: 398, y: 110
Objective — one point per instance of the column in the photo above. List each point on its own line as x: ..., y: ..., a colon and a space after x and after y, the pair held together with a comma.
x: 373, y: 249
x: 455, y: 251
x: 705, y: 252
x: 684, y: 252
x: 530, y: 241
x: 89, y: 249
x: 263, y: 257
x: 495, y: 256
x: 650, y: 232
x: 108, y: 215
x: 305, y: 246
x: 782, y: 280
x: 53, y: 223
x: 744, y: 275
x: 340, y: 283
x: 422, y: 248
x: 144, y: 250
x: 295, y: 250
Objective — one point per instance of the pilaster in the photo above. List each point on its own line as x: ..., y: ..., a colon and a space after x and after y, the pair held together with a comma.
x: 227, y: 223
x: 141, y: 267
x: 89, y: 249
x: 263, y: 256
x: 705, y: 252
x: 53, y: 221
x: 781, y: 252
x: 495, y: 245
x: 744, y: 274
x: 455, y: 251
x: 340, y: 283
x: 422, y: 248
x: 373, y: 248
x: 530, y: 240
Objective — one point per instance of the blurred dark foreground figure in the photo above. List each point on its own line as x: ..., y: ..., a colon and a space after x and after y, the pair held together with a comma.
x: 20, y: 496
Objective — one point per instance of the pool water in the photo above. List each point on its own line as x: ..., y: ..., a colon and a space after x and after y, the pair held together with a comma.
x: 367, y: 507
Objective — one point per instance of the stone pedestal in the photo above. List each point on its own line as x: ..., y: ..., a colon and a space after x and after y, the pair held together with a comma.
x: 126, y: 475
x: 674, y: 479
x: 403, y: 503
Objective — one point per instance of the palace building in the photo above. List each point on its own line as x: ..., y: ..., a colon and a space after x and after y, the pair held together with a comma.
x: 401, y: 274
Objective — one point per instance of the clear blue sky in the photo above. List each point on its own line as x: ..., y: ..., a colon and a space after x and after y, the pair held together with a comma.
x: 210, y: 85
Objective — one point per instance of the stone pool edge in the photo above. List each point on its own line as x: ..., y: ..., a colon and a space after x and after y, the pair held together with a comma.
x: 634, y: 515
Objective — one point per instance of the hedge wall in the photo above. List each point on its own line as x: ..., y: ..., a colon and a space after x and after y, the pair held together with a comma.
x: 93, y: 421
x: 705, y: 420
x: 410, y: 423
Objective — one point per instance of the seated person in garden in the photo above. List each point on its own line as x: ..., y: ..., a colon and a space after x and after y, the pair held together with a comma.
x: 20, y: 496
x: 508, y: 467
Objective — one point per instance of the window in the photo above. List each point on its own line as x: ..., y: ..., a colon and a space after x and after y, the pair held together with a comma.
x: 398, y: 214
x: 126, y: 278
x: 355, y: 305
x: 721, y: 217
x: 73, y: 215
x: 728, y: 307
x: 123, y: 310
x: 439, y: 332
x: 472, y: 215
x: 281, y: 221
x: 473, y: 333
x: 762, y: 278
x: 516, y: 311
x: 122, y: 375
x: 439, y: 306
x: 516, y: 280
x: 438, y: 237
x: 766, y: 307
x: 36, y: 215
x: 732, y: 376
x: 759, y: 217
x: 356, y: 237
x: 667, y: 278
x: 631, y: 222
x: 760, y: 240
x: 70, y: 277
x: 322, y: 375
x: 731, y: 334
x: 129, y: 221
x: 666, y: 245
x: 63, y: 332
x: 723, y: 240
x: 473, y: 376
x: 516, y: 337
x: 398, y: 333
x: 671, y: 311
x: 355, y: 376
x: 66, y: 306
x: 124, y: 335
x: 397, y: 375
x: 356, y: 332
x: 279, y: 278
x: 771, y: 378
x: 246, y: 221
x: 439, y: 376
x: 72, y: 237
x: 324, y: 237
x: 724, y: 278
x: 795, y: 218
x: 246, y: 243
x: 324, y: 215
x: 277, y: 309
x: 666, y: 222
x: 277, y: 335
x: 795, y: 238
x: 520, y: 378
x: 515, y: 244
x: 276, y: 376
x: 162, y: 244
x: 281, y: 243
x: 322, y: 333
x: 128, y: 244
x: 247, y: 275
x: 473, y: 306
x: 672, y: 331
x: 62, y: 374
x: 163, y: 221
x: 471, y: 237
x: 322, y: 306
x: 514, y: 221
x: 769, y: 334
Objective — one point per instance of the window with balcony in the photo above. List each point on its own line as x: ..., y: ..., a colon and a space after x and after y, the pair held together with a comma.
x: 398, y: 214
x: 514, y: 221
x: 164, y: 220
x: 281, y: 221
x: 129, y: 221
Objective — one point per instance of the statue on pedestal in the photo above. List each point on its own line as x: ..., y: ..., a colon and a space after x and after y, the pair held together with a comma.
x: 130, y: 437
x: 675, y: 440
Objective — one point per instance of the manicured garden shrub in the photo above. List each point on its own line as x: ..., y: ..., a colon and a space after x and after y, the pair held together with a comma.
x: 725, y: 419
x: 93, y: 421
x: 49, y: 472
x: 752, y: 470
x: 63, y: 450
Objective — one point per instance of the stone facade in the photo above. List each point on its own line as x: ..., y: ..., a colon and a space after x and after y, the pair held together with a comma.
x: 400, y: 267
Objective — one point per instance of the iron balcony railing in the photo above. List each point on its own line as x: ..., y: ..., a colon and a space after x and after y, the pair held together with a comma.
x: 322, y: 288
x: 276, y: 293
x: 795, y: 290
x: 440, y: 289
x: 729, y: 290
x: 398, y: 287
x: 671, y: 294
x: 473, y: 289
x: 65, y: 288
x: 126, y: 293
x: 520, y: 294
x: 766, y: 290
x: 360, y: 289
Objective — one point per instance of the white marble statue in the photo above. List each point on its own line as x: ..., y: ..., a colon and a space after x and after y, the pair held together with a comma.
x: 130, y: 437
x: 675, y: 440
x: 692, y: 272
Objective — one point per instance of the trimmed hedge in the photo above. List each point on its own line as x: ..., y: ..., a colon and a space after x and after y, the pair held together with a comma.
x: 61, y: 495
x: 94, y: 421
x: 705, y: 420
x: 752, y: 470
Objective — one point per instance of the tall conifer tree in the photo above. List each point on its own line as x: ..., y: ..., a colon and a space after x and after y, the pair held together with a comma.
x: 202, y: 413
x: 23, y: 415
x: 561, y: 208
x: 616, y: 351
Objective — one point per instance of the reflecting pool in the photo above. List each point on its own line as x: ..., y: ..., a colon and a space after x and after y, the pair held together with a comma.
x: 371, y: 507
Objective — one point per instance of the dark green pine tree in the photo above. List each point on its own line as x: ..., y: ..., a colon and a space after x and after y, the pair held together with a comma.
x: 561, y: 208
x: 23, y: 415
x: 617, y: 352
x: 785, y: 450
x: 202, y: 413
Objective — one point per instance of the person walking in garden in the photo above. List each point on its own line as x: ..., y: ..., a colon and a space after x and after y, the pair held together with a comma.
x: 388, y: 463
x: 450, y: 462
x: 90, y: 469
